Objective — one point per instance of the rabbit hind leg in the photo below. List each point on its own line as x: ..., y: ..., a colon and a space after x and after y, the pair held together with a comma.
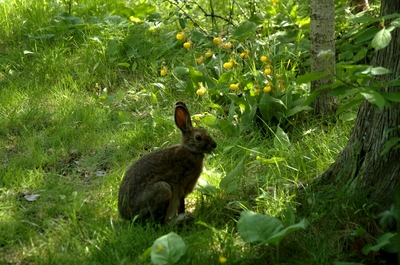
x: 154, y: 201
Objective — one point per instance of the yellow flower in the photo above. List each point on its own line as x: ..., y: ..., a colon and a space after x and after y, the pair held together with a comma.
x: 180, y: 35
x: 187, y: 45
x: 199, y: 59
x: 234, y: 87
x: 217, y: 41
x: 228, y: 65
x: 227, y: 46
x: 134, y: 19
x: 263, y: 58
x: 267, y: 88
x: 256, y: 91
x: 208, y: 54
x: 164, y: 71
x: 222, y: 259
x: 202, y: 90
x: 268, y: 70
x: 160, y: 248
x: 281, y: 85
x: 244, y: 55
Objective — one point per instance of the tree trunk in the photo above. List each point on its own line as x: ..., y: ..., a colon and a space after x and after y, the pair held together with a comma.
x: 322, y: 34
x: 360, y: 167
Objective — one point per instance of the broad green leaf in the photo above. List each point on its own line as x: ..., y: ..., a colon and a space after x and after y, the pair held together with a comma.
x: 395, y: 23
x: 281, y: 140
x: 198, y: 37
x: 353, y: 103
x: 253, y: 227
x: 209, y: 120
x: 168, y: 249
x: 245, y: 30
x: 143, y: 10
x: 113, y: 48
x: 342, y: 91
x: 206, y: 187
x: 290, y: 216
x: 195, y: 75
x: 366, y: 35
x: 373, y: 97
x: 230, y: 182
x: 390, y: 144
x: 381, y: 242
x: 226, y: 77
x: 309, y: 77
x: 277, y: 238
x: 296, y: 110
x: 180, y: 70
x: 393, y: 96
x: 376, y: 70
x: 381, y: 39
x: 380, y: 70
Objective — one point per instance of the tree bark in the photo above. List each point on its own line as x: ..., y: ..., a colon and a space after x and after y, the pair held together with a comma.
x: 360, y: 167
x: 322, y: 34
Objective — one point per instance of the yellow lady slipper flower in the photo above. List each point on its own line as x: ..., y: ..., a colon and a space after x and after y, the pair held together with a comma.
x: 234, y: 87
x: 228, y: 65
x: 263, y: 58
x: 217, y: 41
x: 180, y: 35
x: 199, y: 59
x: 267, y: 88
x: 268, y: 70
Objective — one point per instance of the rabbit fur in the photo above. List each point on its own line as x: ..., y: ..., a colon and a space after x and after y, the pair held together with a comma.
x: 156, y: 185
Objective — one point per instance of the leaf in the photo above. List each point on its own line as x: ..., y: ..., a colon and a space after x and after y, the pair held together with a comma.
x: 381, y: 39
x: 206, y: 187
x: 309, y: 77
x: 392, y: 96
x: 296, y: 110
x: 277, y: 238
x: 246, y: 29
x: 254, y: 227
x: 376, y: 70
x: 381, y: 242
x: 290, y: 216
x: 230, y: 181
x: 168, y: 249
x: 390, y: 144
x: 395, y: 23
x: 350, y: 105
x: 281, y: 140
x: 373, y: 97
x: 180, y: 70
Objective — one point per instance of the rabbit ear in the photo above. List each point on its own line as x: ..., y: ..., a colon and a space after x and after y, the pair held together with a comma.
x: 182, y: 117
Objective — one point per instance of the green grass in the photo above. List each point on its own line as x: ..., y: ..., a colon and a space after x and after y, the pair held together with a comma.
x: 72, y: 120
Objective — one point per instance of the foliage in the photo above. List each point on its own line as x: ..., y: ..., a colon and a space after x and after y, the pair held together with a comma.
x: 86, y: 88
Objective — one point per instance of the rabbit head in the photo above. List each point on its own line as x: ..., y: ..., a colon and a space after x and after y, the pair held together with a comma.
x: 195, y: 139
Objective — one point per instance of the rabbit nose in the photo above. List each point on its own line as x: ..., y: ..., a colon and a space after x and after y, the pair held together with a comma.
x: 213, y: 144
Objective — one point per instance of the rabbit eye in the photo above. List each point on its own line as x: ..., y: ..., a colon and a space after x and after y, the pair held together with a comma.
x: 198, y: 137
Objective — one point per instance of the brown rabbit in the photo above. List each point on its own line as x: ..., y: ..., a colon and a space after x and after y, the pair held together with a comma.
x: 156, y: 185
